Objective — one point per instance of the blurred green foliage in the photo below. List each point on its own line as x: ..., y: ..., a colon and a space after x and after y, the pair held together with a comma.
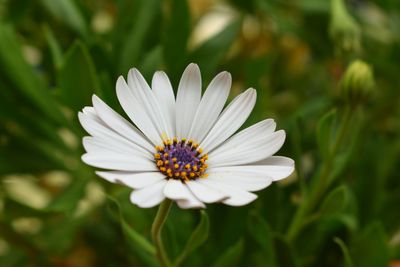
x: 340, y: 208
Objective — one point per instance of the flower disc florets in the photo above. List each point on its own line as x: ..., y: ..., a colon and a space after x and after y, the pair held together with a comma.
x: 181, y: 159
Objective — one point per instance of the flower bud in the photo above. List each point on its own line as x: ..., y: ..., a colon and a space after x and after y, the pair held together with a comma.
x: 343, y: 29
x: 358, y: 82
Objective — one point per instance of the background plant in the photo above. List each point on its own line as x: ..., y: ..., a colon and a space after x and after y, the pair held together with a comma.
x: 340, y: 208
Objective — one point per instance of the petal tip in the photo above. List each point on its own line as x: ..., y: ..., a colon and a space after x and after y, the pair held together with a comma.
x: 95, y: 98
x: 192, y: 65
x: 192, y: 68
x: 226, y: 76
x: 250, y: 198
x: 281, y: 133
x: 85, y: 159
x: 120, y: 79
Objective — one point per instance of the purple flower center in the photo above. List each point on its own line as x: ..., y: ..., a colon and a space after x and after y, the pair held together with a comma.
x: 181, y: 159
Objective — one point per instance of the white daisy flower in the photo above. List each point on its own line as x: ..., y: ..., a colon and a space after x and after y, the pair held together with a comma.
x: 184, y: 148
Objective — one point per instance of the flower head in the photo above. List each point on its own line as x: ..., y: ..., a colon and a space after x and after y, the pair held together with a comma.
x: 183, y: 148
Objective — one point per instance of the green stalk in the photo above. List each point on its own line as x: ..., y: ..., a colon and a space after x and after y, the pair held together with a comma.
x: 321, y: 182
x: 156, y: 231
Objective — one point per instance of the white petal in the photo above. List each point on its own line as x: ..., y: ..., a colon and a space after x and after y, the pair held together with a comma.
x: 240, y: 198
x: 237, y: 197
x: 234, y: 115
x: 253, y: 177
x: 277, y: 161
x: 248, y: 181
x: 187, y: 99
x: 178, y: 191
x: 137, y: 112
x: 149, y: 196
x: 94, y: 125
x: 133, y: 180
x: 164, y: 94
x: 210, y: 107
x: 193, y: 203
x: 143, y: 93
x: 254, y: 132
x: 175, y: 189
x: 119, y: 124
x: 205, y: 193
x: 277, y: 167
x: 112, y: 176
x: 248, y: 151
x: 97, y: 128
x: 91, y: 112
x: 99, y: 145
x: 117, y: 161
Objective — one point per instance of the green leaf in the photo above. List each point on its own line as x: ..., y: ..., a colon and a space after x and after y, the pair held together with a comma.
x: 144, y: 249
x: 175, y: 41
x: 146, y: 11
x: 30, y: 148
x: 370, y: 248
x: 55, y: 48
x: 231, y: 257
x: 140, y: 241
x: 340, y: 162
x: 197, y: 238
x: 262, y: 234
x: 77, y: 79
x: 325, y: 129
x: 347, y: 149
x: 346, y: 255
x: 339, y: 206
x: 217, y: 46
x: 22, y: 77
x: 336, y: 201
x: 23, y: 122
x: 67, y: 12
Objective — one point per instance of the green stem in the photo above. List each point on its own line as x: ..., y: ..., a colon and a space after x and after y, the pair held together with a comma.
x: 178, y: 262
x: 321, y: 183
x: 156, y: 231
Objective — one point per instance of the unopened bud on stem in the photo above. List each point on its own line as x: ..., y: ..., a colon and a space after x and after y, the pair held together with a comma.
x: 358, y: 82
